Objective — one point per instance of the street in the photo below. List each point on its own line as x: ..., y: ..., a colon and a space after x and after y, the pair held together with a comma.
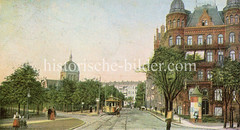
x: 128, y: 119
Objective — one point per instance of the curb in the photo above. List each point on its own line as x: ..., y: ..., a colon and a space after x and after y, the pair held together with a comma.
x: 77, y: 126
x: 177, y: 123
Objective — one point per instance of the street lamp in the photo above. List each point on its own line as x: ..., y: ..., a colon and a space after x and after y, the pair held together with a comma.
x: 82, y: 107
x: 97, y: 100
x: 28, y: 96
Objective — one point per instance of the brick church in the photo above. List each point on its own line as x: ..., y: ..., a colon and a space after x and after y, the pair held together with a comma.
x: 212, y: 35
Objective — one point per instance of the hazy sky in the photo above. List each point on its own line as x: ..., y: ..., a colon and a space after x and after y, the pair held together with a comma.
x: 113, y: 30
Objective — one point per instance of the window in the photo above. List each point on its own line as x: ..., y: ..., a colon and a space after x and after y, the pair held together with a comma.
x: 232, y: 55
x: 189, y: 40
x: 231, y: 19
x: 190, y: 92
x: 232, y: 37
x: 178, y: 41
x: 206, y: 23
x: 234, y: 95
x: 203, y: 23
x: 236, y: 19
x: 220, y: 39
x: 178, y: 23
x: 182, y: 23
x: 209, y: 40
x: 227, y: 20
x: 174, y: 23
x: 209, y: 75
x: 200, y: 75
x: 205, y: 92
x: 209, y: 56
x: 170, y: 41
x: 220, y: 56
x: 170, y: 23
x: 218, y: 95
x: 218, y: 111
x: 200, y: 40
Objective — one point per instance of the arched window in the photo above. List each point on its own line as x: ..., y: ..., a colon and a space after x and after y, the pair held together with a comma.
x: 209, y: 40
x: 232, y: 55
x: 189, y: 40
x: 236, y: 19
x: 178, y: 40
x: 174, y: 23
x: 227, y: 20
x: 220, y: 56
x: 200, y: 40
x: 220, y: 39
x: 178, y: 23
x: 206, y: 23
x: 190, y: 92
x: 232, y: 37
x: 218, y: 95
x: 170, y: 41
x: 231, y: 19
x: 209, y: 75
x: 182, y: 24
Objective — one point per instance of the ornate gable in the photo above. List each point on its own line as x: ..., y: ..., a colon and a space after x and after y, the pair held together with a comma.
x: 205, y: 19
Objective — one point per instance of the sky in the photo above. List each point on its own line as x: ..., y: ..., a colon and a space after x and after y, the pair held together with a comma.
x: 44, y: 33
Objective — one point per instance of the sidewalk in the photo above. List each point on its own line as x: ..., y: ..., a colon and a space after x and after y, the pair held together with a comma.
x: 186, y: 123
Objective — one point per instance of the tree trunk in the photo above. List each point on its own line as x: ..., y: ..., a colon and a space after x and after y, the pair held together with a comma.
x: 169, y: 122
x: 166, y: 106
x: 24, y: 109
x: 238, y: 121
x: 225, y: 115
x: 38, y: 109
x: 19, y: 108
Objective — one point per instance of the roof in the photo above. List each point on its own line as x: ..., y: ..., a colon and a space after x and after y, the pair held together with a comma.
x: 232, y: 4
x: 217, y: 16
x: 177, y: 6
x: 196, y: 92
x: 50, y: 82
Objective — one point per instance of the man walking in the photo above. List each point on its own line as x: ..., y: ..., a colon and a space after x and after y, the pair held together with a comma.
x: 49, y: 112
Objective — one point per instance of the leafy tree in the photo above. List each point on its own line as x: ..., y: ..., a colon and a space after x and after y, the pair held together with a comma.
x: 226, y: 76
x: 168, y: 78
x: 140, y: 95
x: 19, y: 84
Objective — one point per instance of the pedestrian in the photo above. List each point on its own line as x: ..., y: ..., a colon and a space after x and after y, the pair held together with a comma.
x: 195, y: 116
x: 16, y: 122
x: 52, y: 116
x: 49, y: 113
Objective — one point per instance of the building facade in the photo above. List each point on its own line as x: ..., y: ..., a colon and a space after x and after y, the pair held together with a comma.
x: 209, y: 34
x: 128, y: 88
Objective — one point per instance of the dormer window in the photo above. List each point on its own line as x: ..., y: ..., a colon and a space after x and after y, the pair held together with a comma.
x: 203, y: 23
x: 231, y: 19
x: 206, y: 23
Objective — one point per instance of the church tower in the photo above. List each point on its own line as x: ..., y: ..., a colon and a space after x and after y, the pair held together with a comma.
x: 70, y: 70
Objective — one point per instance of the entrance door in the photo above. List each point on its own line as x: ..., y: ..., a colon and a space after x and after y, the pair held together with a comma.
x: 205, y: 107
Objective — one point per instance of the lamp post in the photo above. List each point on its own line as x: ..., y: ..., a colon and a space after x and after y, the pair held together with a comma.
x: 82, y: 107
x: 28, y: 96
x: 97, y: 100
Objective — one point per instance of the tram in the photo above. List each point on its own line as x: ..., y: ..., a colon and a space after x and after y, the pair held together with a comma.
x: 113, y: 106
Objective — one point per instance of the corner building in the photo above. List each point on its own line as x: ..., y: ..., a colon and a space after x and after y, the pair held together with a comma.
x: 209, y: 34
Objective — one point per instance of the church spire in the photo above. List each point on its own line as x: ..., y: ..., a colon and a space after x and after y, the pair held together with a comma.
x: 70, y: 58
